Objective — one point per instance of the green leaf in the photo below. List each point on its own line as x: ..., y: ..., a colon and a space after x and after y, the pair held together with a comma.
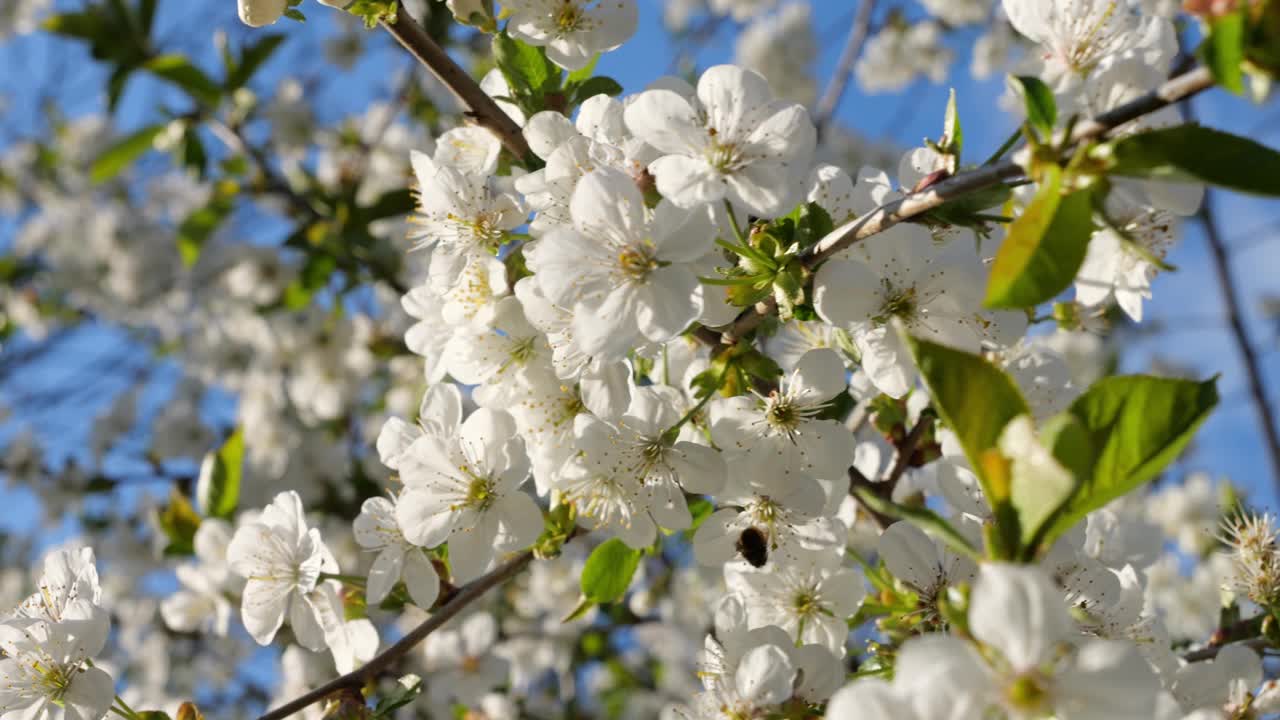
x: 608, y: 572
x: 600, y: 85
x: 178, y: 70
x: 407, y: 689
x: 923, y: 518
x: 975, y: 399
x: 126, y: 150
x: 1192, y: 152
x: 952, y: 132
x: 200, y: 224
x: 811, y: 223
x: 179, y: 522
x: 582, y: 74
x: 526, y: 67
x: 218, y: 487
x: 1039, y: 494
x: 1223, y: 50
x: 1037, y: 98
x: 1138, y: 425
x: 1044, y: 248
x: 252, y: 57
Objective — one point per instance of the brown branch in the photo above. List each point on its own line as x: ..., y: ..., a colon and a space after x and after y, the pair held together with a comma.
x: 844, y: 67
x: 916, y: 204
x: 905, y: 449
x: 357, y: 678
x: 1230, y: 297
x: 481, y: 107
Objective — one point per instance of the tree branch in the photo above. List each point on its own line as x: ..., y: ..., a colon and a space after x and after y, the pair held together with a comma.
x: 357, y: 678
x: 844, y: 67
x: 1253, y: 369
x: 481, y: 107
x: 916, y: 204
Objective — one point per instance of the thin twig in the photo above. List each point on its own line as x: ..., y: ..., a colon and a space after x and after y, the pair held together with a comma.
x: 915, y: 204
x: 844, y: 67
x: 370, y: 670
x: 1253, y: 370
x: 907, y: 448
x: 482, y: 108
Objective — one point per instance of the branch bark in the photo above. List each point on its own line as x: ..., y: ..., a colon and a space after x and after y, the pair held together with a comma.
x: 357, y: 678
x: 481, y: 107
x: 844, y: 67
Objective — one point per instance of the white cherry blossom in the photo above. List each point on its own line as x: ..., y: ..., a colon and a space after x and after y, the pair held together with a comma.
x: 733, y: 141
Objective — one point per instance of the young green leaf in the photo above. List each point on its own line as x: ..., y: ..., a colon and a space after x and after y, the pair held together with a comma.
x: 1044, y: 248
x: 179, y: 522
x: 952, y: 133
x: 252, y: 57
x: 200, y: 224
x: 1037, y: 98
x: 526, y: 67
x: 178, y: 70
x: 1223, y: 50
x: 218, y: 488
x: 1137, y: 425
x: 1192, y: 152
x: 974, y: 398
x: 115, y: 158
x: 608, y: 572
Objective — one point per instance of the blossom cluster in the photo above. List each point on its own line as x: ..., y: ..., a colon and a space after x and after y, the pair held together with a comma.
x: 799, y: 523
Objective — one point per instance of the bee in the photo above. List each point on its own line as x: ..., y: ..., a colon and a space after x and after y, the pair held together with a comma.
x: 753, y: 545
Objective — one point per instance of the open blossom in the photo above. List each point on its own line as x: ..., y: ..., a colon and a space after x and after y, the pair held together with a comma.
x: 1076, y: 35
x: 733, y: 140
x: 460, y: 213
x: 626, y: 274
x: 463, y: 486
x: 46, y: 672
x: 282, y: 560
x: 784, y: 427
x: 376, y: 529
x: 573, y: 31
x: 630, y: 477
x: 810, y: 597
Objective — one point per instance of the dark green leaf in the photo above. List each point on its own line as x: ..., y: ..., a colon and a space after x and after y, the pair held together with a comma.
x: 1223, y: 50
x: 220, y: 476
x: 1037, y: 98
x: 608, y: 571
x: 178, y: 70
x: 1192, y: 152
x: 600, y: 85
x: 126, y: 150
x: 252, y: 58
x: 1044, y: 248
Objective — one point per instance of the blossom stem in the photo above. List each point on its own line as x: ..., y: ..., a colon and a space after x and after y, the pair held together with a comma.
x: 1005, y: 147
x: 411, y: 35
x: 733, y: 222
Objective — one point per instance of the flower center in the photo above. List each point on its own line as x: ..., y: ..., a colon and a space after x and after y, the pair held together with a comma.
x: 724, y: 157
x: 900, y: 303
x: 54, y: 680
x: 636, y: 263
x: 1027, y: 692
x: 569, y: 18
x: 480, y: 493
